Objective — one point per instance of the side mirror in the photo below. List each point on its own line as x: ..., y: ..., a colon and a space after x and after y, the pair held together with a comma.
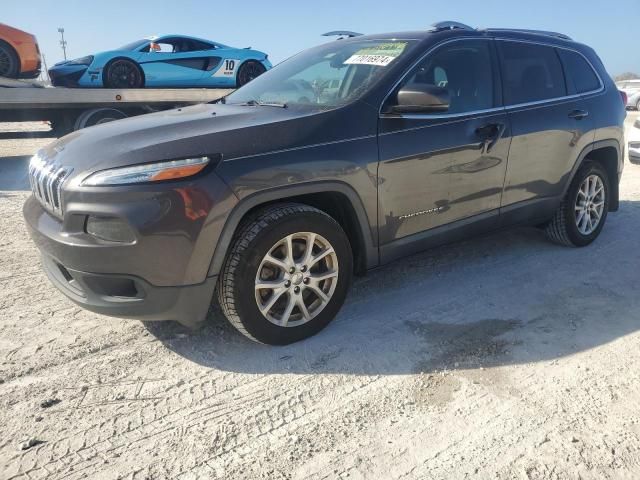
x: 421, y: 98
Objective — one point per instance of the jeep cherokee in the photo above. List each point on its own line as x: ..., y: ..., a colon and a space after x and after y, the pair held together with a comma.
x: 345, y: 157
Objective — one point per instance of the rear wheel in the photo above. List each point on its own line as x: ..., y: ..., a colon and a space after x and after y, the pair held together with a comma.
x: 286, y: 275
x: 248, y: 71
x: 122, y: 73
x: 638, y: 105
x: 9, y: 62
x: 583, y: 212
x: 98, y: 116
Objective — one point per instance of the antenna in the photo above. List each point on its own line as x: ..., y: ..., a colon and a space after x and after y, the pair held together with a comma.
x: 63, y: 42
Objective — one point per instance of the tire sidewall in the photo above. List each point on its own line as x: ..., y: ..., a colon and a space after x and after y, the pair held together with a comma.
x: 575, y: 236
x: 244, y: 293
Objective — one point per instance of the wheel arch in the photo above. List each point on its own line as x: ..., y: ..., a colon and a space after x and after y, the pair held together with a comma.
x: 337, y: 199
x: 609, y: 154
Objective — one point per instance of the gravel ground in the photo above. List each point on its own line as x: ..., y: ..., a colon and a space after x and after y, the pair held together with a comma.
x: 500, y: 357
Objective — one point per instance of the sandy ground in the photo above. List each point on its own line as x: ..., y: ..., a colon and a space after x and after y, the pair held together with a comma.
x: 501, y: 357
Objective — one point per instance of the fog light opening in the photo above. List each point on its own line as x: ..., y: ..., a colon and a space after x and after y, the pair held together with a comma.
x: 110, y: 229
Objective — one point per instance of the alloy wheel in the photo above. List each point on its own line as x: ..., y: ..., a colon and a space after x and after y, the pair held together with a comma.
x: 250, y: 71
x: 590, y: 203
x: 123, y: 74
x: 296, y: 279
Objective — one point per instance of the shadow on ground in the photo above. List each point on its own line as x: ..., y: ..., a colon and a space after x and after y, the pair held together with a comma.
x: 26, y: 135
x: 507, y: 298
x: 14, y: 173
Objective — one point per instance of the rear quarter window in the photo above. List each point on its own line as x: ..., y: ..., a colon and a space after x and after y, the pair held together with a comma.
x: 579, y: 72
x: 530, y: 72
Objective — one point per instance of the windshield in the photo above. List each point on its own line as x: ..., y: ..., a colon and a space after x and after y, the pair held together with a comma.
x: 326, y: 76
x: 134, y: 45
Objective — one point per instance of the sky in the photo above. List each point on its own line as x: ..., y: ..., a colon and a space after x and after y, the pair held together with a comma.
x: 284, y: 27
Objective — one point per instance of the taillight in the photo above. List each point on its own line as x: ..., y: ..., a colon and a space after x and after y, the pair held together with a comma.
x: 624, y: 97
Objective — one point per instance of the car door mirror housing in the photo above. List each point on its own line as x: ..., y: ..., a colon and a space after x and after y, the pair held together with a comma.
x: 421, y: 98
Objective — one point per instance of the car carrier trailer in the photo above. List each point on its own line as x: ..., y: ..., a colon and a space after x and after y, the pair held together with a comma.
x: 70, y: 109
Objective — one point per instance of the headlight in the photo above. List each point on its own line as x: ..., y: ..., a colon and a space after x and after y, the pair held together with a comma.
x: 151, y: 172
x: 82, y: 61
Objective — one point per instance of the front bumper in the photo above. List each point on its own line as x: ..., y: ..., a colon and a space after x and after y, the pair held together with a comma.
x: 130, y: 297
x: 67, y: 75
x: 162, y: 274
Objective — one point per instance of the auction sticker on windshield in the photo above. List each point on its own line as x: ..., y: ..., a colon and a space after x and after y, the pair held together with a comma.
x: 379, y: 55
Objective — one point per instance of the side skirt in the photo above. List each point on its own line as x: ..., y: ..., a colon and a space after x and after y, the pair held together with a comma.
x: 530, y: 212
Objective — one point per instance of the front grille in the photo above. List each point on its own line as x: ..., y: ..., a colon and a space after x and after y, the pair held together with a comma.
x: 46, y: 178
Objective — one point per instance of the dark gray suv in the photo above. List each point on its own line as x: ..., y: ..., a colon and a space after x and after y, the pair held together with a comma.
x: 343, y: 158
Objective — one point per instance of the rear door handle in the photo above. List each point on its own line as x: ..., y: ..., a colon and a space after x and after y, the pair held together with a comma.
x: 490, y: 134
x: 578, y: 114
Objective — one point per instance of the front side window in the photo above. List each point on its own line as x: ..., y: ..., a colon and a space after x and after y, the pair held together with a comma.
x: 530, y: 72
x: 464, y: 68
x: 579, y: 71
x: 327, y: 76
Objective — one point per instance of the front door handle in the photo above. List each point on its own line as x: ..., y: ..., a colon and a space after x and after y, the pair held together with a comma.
x: 490, y: 134
x: 578, y: 114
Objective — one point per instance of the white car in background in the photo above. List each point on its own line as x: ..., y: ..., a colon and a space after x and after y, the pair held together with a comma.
x: 632, y: 89
x: 634, y: 142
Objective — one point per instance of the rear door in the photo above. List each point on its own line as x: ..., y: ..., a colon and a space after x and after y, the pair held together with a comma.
x: 438, y: 168
x: 550, y: 125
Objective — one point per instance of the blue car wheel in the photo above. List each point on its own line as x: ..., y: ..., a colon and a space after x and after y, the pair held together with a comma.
x: 122, y: 73
x: 248, y: 71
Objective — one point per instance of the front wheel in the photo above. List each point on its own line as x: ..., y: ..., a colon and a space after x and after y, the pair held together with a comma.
x: 583, y: 212
x: 122, y: 73
x: 248, y: 71
x: 287, y: 274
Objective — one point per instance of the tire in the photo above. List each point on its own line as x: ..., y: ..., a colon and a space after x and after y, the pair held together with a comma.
x: 567, y: 226
x: 98, y: 116
x: 9, y: 61
x: 638, y: 105
x: 248, y: 71
x: 122, y: 73
x: 246, y: 264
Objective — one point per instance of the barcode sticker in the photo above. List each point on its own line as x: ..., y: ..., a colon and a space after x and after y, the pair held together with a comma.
x: 379, y: 60
x: 380, y: 55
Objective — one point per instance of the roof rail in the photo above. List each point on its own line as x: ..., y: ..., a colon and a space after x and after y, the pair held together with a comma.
x: 342, y: 34
x: 449, y: 25
x: 536, y: 32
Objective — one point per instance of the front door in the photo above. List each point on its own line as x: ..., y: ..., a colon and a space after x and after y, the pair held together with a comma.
x: 436, y: 169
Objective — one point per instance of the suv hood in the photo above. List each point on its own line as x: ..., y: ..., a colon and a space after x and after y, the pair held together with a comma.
x: 228, y: 130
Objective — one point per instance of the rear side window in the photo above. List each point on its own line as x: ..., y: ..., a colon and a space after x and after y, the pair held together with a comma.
x: 530, y: 72
x: 579, y: 71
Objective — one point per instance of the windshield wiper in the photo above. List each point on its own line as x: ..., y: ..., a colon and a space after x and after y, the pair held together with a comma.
x: 257, y: 103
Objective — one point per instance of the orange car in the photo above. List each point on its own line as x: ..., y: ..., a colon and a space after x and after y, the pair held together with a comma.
x: 19, y: 53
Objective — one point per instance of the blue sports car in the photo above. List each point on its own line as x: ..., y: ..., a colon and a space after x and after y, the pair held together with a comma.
x: 167, y: 61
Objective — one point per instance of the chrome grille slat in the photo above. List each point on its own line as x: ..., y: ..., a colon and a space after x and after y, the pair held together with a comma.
x: 46, y: 178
